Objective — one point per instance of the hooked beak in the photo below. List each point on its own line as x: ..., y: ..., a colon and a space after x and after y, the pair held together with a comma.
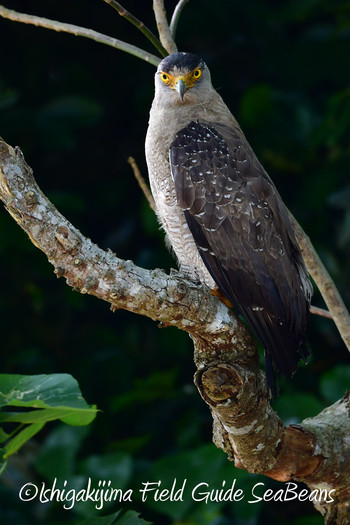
x: 181, y: 88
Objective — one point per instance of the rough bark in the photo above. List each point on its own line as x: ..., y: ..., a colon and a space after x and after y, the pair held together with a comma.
x: 228, y: 376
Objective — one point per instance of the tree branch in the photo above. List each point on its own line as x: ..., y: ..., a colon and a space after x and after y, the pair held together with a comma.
x: 176, y: 16
x: 140, y: 25
x: 165, y: 35
x: 79, y: 31
x: 324, y: 283
x: 228, y: 376
x: 142, y: 183
x: 331, y: 428
x: 173, y: 300
x: 225, y: 352
x: 321, y: 312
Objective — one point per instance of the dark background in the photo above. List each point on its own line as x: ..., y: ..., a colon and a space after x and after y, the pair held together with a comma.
x: 78, y: 109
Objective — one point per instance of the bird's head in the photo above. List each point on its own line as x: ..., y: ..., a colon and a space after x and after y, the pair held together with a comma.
x: 182, y: 78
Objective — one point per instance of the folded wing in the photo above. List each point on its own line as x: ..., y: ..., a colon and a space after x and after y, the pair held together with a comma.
x: 244, y: 236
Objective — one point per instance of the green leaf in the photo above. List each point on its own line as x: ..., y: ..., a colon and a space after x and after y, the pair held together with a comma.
x: 49, y: 414
x: 21, y: 438
x: 59, y: 394
x: 3, y: 461
x: 3, y: 435
x: 52, y: 397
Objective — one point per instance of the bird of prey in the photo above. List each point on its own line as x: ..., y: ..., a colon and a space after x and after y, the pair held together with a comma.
x: 222, y: 214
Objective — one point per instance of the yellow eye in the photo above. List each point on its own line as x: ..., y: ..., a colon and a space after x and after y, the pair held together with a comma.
x: 197, y: 73
x: 165, y: 78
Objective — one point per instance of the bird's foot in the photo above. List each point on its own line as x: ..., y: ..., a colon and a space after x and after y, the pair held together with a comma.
x: 216, y: 292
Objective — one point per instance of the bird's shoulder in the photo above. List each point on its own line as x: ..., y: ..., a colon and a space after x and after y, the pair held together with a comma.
x: 217, y: 159
x: 220, y: 182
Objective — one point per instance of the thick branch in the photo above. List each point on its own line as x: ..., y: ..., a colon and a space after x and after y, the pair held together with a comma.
x: 332, y: 429
x: 79, y: 31
x: 225, y: 351
x: 165, y: 35
x: 246, y: 427
x: 316, y: 452
x: 228, y: 376
x: 172, y: 300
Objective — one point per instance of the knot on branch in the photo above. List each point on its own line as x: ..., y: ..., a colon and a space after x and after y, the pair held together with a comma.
x: 222, y: 384
x: 118, y: 293
x: 31, y: 197
x: 177, y: 288
x: 246, y: 427
x: 69, y: 240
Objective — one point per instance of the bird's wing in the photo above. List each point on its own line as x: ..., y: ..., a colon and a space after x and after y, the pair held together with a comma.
x: 244, y: 236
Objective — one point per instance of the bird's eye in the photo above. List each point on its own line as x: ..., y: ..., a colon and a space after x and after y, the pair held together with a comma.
x: 197, y: 73
x: 165, y: 78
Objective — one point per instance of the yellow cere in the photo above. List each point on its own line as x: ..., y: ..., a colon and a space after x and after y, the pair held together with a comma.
x: 190, y: 79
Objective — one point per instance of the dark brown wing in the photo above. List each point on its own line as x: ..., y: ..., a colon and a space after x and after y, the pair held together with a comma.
x: 244, y: 236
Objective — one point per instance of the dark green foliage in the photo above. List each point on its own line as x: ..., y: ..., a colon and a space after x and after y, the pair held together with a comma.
x: 49, y: 397
x: 78, y: 110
